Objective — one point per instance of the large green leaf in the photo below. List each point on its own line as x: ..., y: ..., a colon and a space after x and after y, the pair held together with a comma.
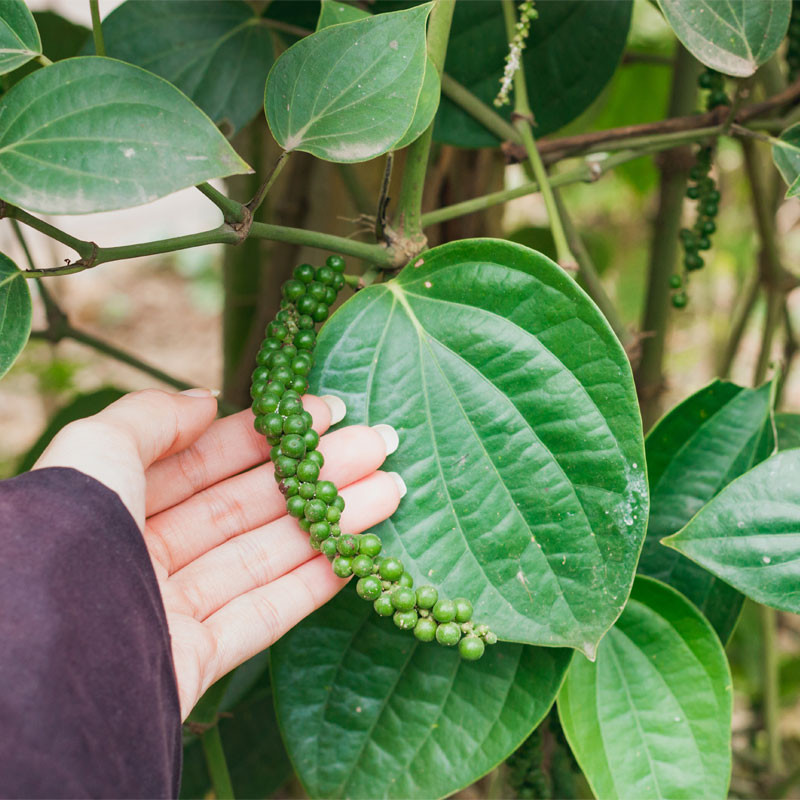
x: 651, y: 718
x: 349, y: 92
x: 334, y: 12
x: 749, y: 535
x: 520, y: 435
x: 367, y: 711
x: 731, y: 36
x: 573, y: 50
x: 19, y: 36
x: 217, y: 51
x: 94, y: 134
x: 786, y: 155
x: 692, y: 453
x: 15, y: 313
x: 787, y: 429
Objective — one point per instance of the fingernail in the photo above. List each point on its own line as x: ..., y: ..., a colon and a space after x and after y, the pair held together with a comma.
x: 389, y: 436
x: 201, y: 392
x: 337, y: 407
x: 401, y: 484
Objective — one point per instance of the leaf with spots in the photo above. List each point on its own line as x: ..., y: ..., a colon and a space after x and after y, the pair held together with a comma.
x: 520, y: 436
x: 367, y: 711
x: 94, y: 134
x: 651, y: 718
x: 350, y: 91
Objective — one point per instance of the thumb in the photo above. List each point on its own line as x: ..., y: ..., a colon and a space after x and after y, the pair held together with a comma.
x: 117, y: 445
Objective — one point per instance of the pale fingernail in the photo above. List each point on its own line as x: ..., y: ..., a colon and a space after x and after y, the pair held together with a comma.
x: 336, y: 406
x: 201, y: 392
x: 389, y: 436
x: 401, y: 484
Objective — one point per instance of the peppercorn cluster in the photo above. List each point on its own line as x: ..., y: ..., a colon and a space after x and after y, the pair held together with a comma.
x: 284, y: 361
x: 793, y: 44
x: 703, y: 189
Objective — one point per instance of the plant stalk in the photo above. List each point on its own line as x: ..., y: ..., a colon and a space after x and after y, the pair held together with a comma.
x: 409, y: 204
x: 97, y: 28
x: 217, y: 765
x: 479, y: 110
x: 523, y: 117
x: 259, y: 196
x: 771, y: 698
x: 232, y: 211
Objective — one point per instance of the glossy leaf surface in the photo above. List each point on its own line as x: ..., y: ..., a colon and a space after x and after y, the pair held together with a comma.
x: 520, y: 436
x: 651, y: 718
x: 333, y: 12
x: 698, y: 448
x: 786, y: 155
x: 218, y: 52
x: 749, y: 535
x: 349, y: 92
x: 787, y: 427
x: 573, y: 50
x: 19, y: 36
x: 95, y: 134
x: 367, y: 711
x: 15, y: 313
x: 731, y: 37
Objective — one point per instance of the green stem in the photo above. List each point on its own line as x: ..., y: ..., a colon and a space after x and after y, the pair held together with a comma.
x: 259, y: 196
x: 44, y: 60
x: 771, y: 321
x: 478, y: 110
x: 82, y: 248
x: 97, y: 28
x: 588, y: 272
x: 217, y: 765
x: 771, y: 699
x: 409, y: 204
x: 664, y: 248
x: 523, y: 118
x: 232, y: 211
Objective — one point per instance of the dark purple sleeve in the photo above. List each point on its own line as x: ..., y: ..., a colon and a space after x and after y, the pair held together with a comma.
x: 88, y: 701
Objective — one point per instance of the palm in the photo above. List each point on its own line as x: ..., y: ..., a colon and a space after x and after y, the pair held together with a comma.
x: 235, y: 571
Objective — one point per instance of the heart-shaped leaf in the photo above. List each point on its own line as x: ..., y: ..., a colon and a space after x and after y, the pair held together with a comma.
x: 349, y: 92
x: 697, y: 449
x: 786, y: 155
x: 651, y: 718
x: 19, y: 36
x: 367, y: 711
x: 734, y: 38
x: 520, y: 435
x: 787, y: 429
x: 749, y: 534
x: 334, y: 13
x: 573, y: 49
x: 15, y: 313
x: 218, y: 52
x: 94, y: 134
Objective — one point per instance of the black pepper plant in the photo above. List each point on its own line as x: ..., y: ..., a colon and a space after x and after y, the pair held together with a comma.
x: 607, y: 569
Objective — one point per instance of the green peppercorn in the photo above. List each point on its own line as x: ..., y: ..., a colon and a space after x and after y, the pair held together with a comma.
x: 693, y: 192
x: 305, y: 306
x: 304, y: 273
x: 299, y: 384
x: 403, y: 599
x: 315, y: 510
x: 362, y: 565
x: 336, y: 263
x: 704, y: 243
x: 471, y: 648
x: 307, y: 490
x: 296, y: 506
x: 338, y: 502
x: 463, y: 609
x: 333, y: 514
x: 328, y: 549
x: 293, y: 445
x: 405, y: 620
x: 383, y: 606
x: 326, y: 491
x: 391, y: 569
x: 369, y: 544
x: 427, y: 596
x: 307, y: 469
x: 444, y: 611
x: 322, y: 530
x: 295, y: 424
x: 285, y: 466
x: 304, y: 340
x: 406, y: 580
x: 305, y: 524
x: 325, y: 275
x: 425, y: 629
x: 293, y: 289
x: 692, y: 261
x: 311, y: 439
x: 342, y: 567
x: 315, y: 457
x: 369, y: 587
x: 675, y: 281
x: 679, y: 300
x: 320, y: 313
x: 448, y: 634
x: 348, y: 545
x: 289, y: 487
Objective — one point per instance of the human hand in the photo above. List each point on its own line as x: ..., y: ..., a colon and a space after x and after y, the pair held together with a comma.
x: 234, y: 570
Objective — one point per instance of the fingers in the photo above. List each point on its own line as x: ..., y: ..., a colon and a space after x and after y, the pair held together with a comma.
x: 229, y: 446
x: 253, y: 621
x: 117, y: 444
x: 184, y: 532
x: 265, y: 554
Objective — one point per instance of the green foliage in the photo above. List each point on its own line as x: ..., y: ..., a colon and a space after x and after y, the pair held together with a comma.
x: 787, y: 429
x: 516, y: 412
x: 19, y: 36
x: 367, y: 711
x: 95, y: 134
x: 587, y: 36
x: 333, y: 12
x: 697, y: 449
x: 15, y: 313
x: 651, y: 718
x: 372, y: 71
x: 786, y: 155
x: 749, y: 535
x: 734, y: 38
x: 217, y: 51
